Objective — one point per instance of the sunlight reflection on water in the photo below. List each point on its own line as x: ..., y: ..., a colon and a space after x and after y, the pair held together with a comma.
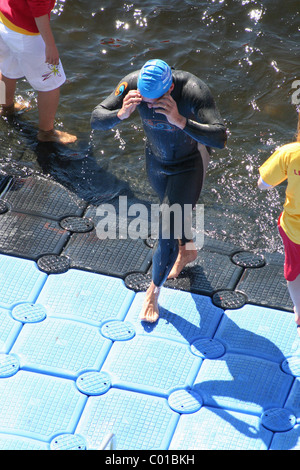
x: 246, y: 51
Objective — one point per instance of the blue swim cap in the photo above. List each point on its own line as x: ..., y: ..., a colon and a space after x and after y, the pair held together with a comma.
x: 155, y: 79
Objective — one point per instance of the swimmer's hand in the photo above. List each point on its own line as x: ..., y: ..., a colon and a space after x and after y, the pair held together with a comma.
x: 130, y: 102
x: 167, y: 105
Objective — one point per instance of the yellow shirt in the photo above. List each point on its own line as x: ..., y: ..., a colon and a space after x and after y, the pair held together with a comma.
x: 283, y: 165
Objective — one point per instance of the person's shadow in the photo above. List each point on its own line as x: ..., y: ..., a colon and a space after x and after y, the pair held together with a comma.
x: 78, y: 171
x: 240, y: 387
x: 74, y: 166
x: 85, y: 177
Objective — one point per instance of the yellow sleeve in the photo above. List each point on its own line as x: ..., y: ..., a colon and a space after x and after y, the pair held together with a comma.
x: 274, y: 170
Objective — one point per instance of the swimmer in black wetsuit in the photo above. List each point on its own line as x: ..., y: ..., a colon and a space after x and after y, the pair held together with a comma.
x: 181, y: 123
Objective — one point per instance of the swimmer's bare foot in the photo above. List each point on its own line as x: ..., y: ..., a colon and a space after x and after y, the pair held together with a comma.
x: 150, y: 311
x: 59, y: 137
x: 187, y: 254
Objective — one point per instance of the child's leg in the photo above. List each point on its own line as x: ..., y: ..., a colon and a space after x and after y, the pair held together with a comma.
x: 291, y: 264
x: 294, y: 290
x: 9, y: 74
x: 10, y: 88
x: 47, y: 107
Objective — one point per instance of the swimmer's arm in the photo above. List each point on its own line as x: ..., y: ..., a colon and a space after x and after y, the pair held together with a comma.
x: 104, y: 118
x: 119, y: 105
x: 105, y: 115
x: 207, y: 128
x: 111, y: 111
x: 211, y: 135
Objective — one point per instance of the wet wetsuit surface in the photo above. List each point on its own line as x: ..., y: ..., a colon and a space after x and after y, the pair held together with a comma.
x: 173, y: 160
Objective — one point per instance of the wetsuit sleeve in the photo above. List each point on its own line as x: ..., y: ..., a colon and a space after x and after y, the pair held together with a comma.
x: 104, y: 116
x: 208, y: 127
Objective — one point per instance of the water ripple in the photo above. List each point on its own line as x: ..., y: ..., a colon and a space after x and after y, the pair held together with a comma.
x: 246, y: 50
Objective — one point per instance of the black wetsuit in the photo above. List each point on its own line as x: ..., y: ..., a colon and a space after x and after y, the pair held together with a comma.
x: 173, y: 160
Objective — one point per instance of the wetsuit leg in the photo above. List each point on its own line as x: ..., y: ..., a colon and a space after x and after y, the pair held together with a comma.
x: 178, y: 185
x: 156, y: 174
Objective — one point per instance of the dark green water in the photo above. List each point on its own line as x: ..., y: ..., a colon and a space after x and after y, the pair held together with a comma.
x: 246, y: 51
